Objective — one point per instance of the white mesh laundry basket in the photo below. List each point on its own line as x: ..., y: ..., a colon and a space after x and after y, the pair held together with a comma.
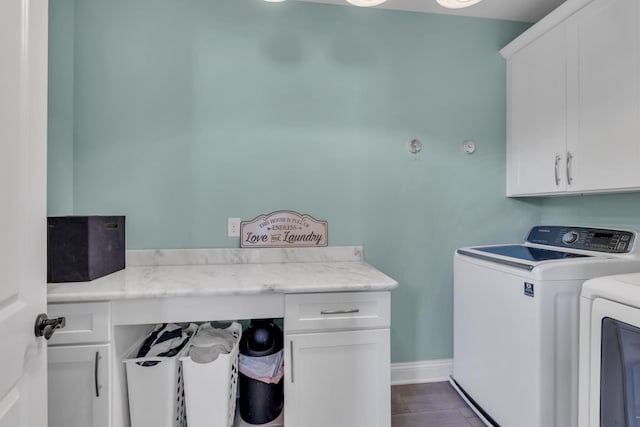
x: 156, y: 393
x: 210, y: 388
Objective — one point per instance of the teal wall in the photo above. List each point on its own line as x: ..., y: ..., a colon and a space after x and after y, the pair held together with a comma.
x: 185, y: 113
x: 61, y: 111
x: 611, y: 210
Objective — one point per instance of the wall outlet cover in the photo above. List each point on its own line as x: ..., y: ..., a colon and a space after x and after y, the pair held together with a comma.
x: 233, y: 227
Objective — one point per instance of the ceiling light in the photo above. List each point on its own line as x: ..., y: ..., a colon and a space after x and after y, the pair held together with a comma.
x: 274, y: 1
x: 366, y: 3
x: 456, y: 4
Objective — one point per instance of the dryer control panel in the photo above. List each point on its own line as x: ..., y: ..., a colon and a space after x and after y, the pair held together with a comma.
x: 588, y: 239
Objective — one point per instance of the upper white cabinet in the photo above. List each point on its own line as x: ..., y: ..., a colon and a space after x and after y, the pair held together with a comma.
x: 574, y: 101
x: 607, y: 117
x: 537, y: 116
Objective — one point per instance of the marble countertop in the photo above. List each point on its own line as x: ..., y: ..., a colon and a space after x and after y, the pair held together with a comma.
x: 207, y: 272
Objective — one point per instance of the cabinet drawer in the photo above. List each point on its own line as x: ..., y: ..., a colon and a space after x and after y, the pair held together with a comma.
x: 85, y: 322
x: 337, y: 311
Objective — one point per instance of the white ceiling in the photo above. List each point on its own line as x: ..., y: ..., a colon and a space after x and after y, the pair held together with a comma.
x: 513, y: 10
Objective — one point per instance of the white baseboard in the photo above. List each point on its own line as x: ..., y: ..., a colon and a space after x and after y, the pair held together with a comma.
x: 426, y: 371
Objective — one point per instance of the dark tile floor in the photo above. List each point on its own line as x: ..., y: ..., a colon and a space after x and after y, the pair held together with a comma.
x: 430, y: 405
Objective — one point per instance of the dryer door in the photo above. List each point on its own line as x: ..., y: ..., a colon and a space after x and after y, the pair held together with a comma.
x: 619, y: 374
x: 615, y: 365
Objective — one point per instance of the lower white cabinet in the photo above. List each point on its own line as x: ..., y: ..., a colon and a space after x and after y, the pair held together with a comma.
x: 337, y: 357
x: 79, y: 392
x: 337, y: 360
x: 339, y: 379
x: 79, y: 360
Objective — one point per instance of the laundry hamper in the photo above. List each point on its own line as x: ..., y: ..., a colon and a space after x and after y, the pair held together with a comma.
x: 210, y: 388
x: 156, y: 393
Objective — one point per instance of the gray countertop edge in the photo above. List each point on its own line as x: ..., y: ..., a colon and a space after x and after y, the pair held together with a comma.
x: 175, y: 281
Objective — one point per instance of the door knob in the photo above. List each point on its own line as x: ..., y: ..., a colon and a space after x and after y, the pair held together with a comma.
x: 45, y: 327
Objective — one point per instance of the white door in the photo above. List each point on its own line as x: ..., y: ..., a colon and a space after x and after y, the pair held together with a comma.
x: 79, y: 385
x: 537, y: 100
x: 23, y: 241
x: 606, y: 150
x: 339, y: 379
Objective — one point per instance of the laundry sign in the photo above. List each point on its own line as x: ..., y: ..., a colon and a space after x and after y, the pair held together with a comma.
x: 283, y: 229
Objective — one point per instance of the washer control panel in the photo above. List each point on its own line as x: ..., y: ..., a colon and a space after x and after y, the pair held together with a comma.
x: 590, y: 239
x: 570, y: 237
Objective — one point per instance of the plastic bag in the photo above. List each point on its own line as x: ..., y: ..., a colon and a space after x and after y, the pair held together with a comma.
x: 267, y: 369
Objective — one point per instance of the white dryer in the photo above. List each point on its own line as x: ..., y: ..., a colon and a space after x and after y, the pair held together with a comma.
x: 516, y: 321
x: 609, y: 385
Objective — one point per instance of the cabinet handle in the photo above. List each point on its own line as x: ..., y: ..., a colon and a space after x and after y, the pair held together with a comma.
x: 291, y: 362
x: 95, y: 373
x: 557, y: 169
x: 569, y: 163
x: 348, y: 311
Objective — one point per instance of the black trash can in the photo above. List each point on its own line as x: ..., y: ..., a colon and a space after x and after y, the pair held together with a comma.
x: 260, y: 402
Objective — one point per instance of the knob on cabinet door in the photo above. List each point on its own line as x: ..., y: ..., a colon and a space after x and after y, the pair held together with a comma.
x: 45, y: 327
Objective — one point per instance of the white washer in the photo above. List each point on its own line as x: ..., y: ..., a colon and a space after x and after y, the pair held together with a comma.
x: 516, y: 321
x: 609, y: 385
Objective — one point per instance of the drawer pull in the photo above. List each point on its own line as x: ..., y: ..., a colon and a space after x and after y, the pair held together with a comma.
x: 95, y: 374
x: 569, y: 166
x: 557, y: 169
x: 291, y: 352
x: 347, y: 311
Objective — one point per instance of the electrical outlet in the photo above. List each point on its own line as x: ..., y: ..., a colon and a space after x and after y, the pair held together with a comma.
x: 233, y: 227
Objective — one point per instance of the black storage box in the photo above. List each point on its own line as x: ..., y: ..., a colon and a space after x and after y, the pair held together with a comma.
x: 83, y: 248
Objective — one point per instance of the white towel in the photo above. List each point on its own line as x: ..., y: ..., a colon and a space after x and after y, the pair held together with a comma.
x: 210, y: 342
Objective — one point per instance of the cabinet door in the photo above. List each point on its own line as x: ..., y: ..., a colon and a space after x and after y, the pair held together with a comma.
x: 339, y: 379
x: 606, y: 150
x: 536, y: 130
x: 79, y: 386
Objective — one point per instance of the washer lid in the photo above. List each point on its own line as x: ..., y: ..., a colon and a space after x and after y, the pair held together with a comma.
x: 529, y: 253
x: 522, y: 256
